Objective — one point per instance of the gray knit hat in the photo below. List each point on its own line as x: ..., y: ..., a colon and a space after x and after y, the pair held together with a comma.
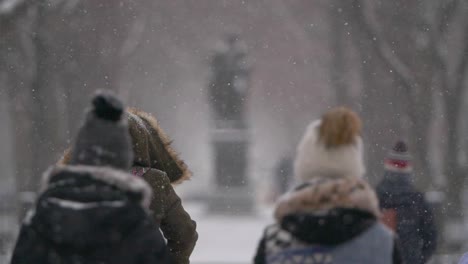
x: 103, y: 140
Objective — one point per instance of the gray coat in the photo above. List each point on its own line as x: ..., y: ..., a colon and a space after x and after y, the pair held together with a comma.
x: 328, y: 220
x: 375, y: 245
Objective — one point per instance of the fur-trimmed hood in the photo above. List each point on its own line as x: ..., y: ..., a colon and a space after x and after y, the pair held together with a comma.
x: 59, y: 175
x: 321, y: 195
x: 85, y: 209
x: 151, y: 146
x: 328, y: 211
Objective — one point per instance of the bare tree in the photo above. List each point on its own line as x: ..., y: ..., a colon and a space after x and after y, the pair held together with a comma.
x: 375, y: 99
x: 17, y: 60
x: 338, y: 48
x: 425, y: 67
x: 54, y: 55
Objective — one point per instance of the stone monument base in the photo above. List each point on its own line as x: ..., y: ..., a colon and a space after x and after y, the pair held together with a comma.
x: 232, y: 201
x: 231, y: 193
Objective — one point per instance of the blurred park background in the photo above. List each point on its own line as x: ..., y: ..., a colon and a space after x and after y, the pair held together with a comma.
x: 402, y: 65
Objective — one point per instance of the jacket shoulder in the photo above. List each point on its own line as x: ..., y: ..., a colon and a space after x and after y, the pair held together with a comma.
x: 156, y: 178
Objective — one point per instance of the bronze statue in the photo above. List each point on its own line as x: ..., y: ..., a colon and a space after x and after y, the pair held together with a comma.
x: 229, y: 83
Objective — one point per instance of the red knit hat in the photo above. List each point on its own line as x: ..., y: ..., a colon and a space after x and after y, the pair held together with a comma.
x: 399, y: 160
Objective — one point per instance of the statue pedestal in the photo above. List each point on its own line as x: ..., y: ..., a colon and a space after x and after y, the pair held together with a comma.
x: 231, y: 201
x: 231, y: 194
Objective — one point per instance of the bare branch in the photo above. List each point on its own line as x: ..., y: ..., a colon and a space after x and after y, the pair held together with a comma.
x: 10, y: 9
x: 282, y: 8
x: 446, y: 15
x: 460, y: 74
x: 10, y: 6
x: 403, y: 74
x: 133, y: 41
x: 384, y: 50
x: 443, y: 19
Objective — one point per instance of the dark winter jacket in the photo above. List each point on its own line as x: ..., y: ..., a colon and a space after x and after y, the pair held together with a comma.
x: 328, y: 221
x: 415, y: 221
x: 153, y: 151
x: 175, y: 222
x: 160, y: 167
x: 90, y: 215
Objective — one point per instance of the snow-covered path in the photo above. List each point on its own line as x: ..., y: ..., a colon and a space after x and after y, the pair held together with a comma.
x: 226, y: 239
x: 233, y: 239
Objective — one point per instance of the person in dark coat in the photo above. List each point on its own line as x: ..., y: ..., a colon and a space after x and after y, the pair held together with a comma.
x: 92, y: 210
x: 404, y: 208
x: 158, y: 164
x: 332, y: 216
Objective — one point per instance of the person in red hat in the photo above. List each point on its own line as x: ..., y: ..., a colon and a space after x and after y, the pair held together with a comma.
x: 404, y: 208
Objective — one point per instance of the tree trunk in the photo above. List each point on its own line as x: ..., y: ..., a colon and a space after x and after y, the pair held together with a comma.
x: 338, y: 59
x: 23, y: 150
x: 35, y: 121
x: 420, y: 112
x: 453, y: 171
x: 18, y: 62
x: 380, y: 107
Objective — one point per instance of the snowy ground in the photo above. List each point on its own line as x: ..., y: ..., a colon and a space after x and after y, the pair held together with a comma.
x: 226, y: 239
x: 234, y: 239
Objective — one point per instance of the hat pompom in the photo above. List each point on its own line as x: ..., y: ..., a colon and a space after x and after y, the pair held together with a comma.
x: 331, y: 147
x: 400, y: 147
x: 107, y: 106
x: 339, y: 127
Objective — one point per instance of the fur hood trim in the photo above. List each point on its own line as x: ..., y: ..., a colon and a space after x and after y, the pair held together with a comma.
x: 315, y: 159
x: 140, y: 116
x: 66, y: 158
x: 117, y: 178
x: 153, y: 122
x: 322, y: 194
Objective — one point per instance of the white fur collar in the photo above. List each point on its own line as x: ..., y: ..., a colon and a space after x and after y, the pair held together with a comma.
x: 322, y: 194
x: 314, y: 160
x: 117, y: 178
